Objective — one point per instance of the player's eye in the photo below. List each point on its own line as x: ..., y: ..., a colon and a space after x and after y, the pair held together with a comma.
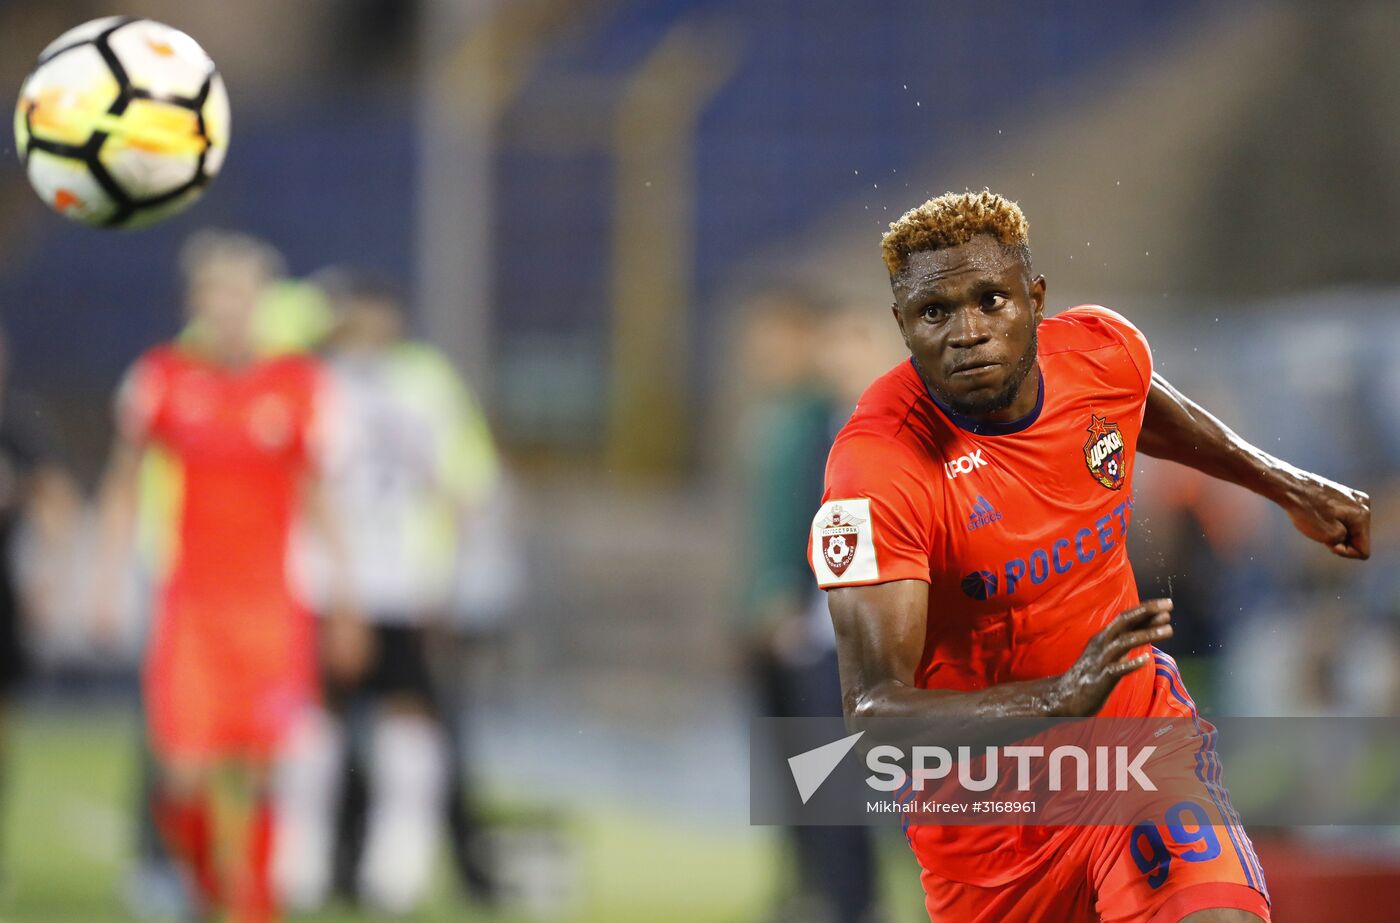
x: 994, y: 300
x: 933, y: 312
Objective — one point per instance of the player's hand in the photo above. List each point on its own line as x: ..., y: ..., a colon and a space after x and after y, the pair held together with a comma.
x: 104, y: 604
x: 1082, y: 690
x: 347, y: 646
x: 1332, y: 514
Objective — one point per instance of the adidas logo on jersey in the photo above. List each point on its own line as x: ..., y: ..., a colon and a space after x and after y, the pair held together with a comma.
x: 964, y: 464
x: 983, y: 514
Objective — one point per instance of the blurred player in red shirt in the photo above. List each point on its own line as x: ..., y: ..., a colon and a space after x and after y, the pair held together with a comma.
x: 231, y: 656
x: 972, y: 540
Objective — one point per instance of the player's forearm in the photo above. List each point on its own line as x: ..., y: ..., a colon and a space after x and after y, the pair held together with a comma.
x: 880, y: 635
x: 117, y: 511
x: 52, y: 511
x: 118, y: 500
x: 1036, y: 698
x: 1178, y: 429
x: 909, y: 716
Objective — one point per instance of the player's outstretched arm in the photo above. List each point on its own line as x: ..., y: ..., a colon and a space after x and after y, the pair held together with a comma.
x: 880, y: 640
x: 1176, y: 428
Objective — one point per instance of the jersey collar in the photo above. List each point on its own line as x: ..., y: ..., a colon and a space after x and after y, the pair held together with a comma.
x: 986, y: 427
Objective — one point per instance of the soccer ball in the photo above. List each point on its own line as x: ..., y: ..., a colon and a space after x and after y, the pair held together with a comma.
x: 122, y: 122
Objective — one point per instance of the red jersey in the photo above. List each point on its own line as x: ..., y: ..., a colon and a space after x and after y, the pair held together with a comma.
x: 243, y: 439
x: 231, y: 658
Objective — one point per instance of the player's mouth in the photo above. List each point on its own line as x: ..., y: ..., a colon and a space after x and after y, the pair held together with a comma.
x: 973, y: 369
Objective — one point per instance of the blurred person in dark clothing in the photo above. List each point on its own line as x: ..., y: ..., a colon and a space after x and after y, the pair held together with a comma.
x: 414, y: 464
x: 792, y: 415
x: 37, y: 497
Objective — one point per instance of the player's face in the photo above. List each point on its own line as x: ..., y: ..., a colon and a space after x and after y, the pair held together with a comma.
x: 968, y: 315
x: 223, y: 296
x: 370, y: 323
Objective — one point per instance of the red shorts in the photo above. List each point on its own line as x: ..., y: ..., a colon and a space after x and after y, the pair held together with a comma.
x: 1158, y: 871
x: 225, y: 679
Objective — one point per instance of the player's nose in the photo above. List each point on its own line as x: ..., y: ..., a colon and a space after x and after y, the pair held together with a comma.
x: 968, y: 328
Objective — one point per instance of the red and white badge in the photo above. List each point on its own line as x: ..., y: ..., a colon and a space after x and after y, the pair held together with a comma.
x: 843, y: 546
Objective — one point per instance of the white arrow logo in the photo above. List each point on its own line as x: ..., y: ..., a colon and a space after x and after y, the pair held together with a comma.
x: 810, y: 769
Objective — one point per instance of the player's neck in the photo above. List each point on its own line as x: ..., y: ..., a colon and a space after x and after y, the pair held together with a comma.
x: 229, y: 356
x: 1023, y: 404
x: 1022, y: 411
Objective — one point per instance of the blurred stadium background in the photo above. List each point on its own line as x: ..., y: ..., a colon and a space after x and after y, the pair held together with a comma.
x: 586, y: 200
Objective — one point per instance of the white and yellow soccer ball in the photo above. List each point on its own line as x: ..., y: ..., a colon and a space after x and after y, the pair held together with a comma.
x: 122, y: 122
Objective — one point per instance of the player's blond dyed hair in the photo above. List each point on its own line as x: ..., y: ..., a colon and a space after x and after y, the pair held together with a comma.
x: 953, y: 219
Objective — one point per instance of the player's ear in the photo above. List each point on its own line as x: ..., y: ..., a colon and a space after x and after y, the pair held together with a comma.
x: 1037, y: 293
x: 899, y: 319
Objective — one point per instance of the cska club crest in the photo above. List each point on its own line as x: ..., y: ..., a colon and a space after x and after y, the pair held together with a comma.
x: 838, y: 539
x: 1104, y: 453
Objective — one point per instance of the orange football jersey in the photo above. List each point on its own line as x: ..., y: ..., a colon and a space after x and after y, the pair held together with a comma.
x: 1018, y: 528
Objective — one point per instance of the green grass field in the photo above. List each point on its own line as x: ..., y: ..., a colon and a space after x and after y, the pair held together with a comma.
x: 68, y: 841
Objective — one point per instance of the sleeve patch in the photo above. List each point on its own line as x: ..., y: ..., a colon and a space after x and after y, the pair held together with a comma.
x: 843, y: 543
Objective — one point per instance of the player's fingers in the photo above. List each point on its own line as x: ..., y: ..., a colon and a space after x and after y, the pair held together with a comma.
x: 1132, y: 618
x: 1104, y: 647
x: 1124, y: 643
x: 1343, y: 550
x: 1124, y: 667
x: 1143, y: 616
x: 1359, y: 532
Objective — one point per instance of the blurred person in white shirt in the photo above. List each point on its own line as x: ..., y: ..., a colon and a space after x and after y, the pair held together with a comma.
x: 412, y: 462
